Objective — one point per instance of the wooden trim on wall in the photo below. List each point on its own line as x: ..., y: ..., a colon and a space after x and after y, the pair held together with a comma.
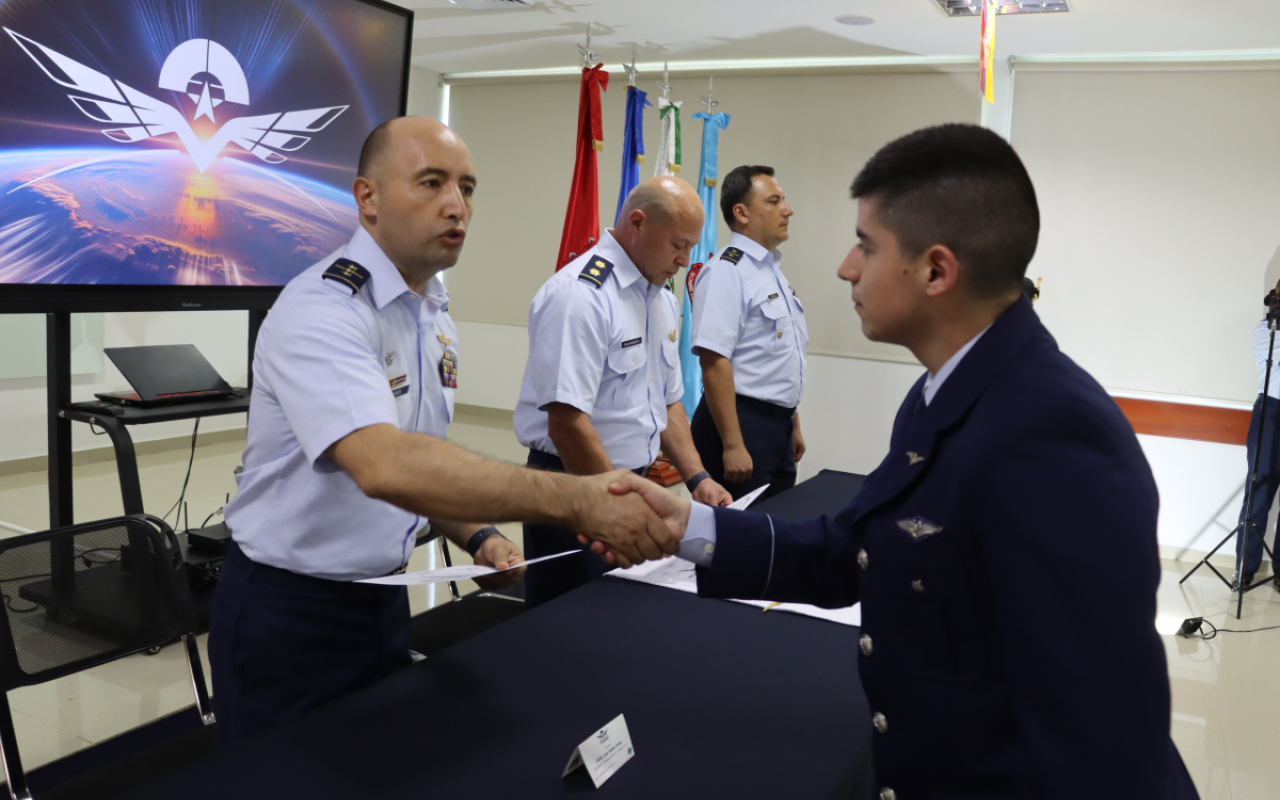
x: 1182, y: 421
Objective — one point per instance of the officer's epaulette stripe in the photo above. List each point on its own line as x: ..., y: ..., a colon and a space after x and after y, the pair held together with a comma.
x: 731, y: 254
x: 344, y: 270
x: 596, y: 271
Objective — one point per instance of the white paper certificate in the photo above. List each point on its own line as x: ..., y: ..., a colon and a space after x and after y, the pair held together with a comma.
x: 458, y: 573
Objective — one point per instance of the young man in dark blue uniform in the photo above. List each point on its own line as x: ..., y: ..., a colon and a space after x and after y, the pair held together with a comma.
x: 973, y: 545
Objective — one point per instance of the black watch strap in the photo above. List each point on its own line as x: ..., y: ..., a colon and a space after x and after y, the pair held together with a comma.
x: 477, y: 539
x: 693, y: 482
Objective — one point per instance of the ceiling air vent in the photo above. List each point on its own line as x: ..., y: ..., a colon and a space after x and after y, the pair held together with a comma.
x: 973, y: 8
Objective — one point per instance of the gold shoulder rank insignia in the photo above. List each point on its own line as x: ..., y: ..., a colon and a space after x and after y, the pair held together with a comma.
x: 919, y: 527
x: 914, y: 458
x: 731, y: 254
x: 347, y: 272
x: 596, y: 271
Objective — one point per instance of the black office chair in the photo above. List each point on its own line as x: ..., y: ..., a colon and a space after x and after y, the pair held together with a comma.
x: 85, y: 595
x: 462, y: 617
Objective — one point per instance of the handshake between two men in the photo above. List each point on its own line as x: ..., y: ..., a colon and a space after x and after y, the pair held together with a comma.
x: 627, y: 545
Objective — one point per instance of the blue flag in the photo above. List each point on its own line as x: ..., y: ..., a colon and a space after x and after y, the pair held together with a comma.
x: 632, y: 146
x: 712, y: 124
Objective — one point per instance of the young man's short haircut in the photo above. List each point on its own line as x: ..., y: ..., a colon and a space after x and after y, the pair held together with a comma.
x: 963, y: 187
x: 736, y: 188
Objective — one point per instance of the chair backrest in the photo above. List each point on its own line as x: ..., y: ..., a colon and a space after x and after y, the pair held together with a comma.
x: 87, y: 594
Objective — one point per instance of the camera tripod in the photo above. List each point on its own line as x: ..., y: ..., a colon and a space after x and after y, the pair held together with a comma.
x: 1246, y: 528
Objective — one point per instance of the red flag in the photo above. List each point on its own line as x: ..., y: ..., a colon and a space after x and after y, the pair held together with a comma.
x: 582, y: 219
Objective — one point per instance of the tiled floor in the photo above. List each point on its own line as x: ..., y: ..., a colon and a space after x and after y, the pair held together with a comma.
x: 1226, y: 691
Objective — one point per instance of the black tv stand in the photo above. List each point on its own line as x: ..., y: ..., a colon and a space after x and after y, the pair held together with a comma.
x: 115, y: 421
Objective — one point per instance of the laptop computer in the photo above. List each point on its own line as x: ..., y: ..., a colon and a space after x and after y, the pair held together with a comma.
x: 164, y: 374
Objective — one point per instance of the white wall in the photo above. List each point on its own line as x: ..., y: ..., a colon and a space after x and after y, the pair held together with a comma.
x: 222, y: 336
x: 424, y: 93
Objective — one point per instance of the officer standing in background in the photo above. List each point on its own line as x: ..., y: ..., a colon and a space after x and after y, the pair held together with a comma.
x: 750, y: 336
x: 602, y: 384
x: 354, y: 375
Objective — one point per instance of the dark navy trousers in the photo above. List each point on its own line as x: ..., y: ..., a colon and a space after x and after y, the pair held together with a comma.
x: 1268, y: 482
x: 553, y: 578
x: 767, y: 433
x: 281, y: 643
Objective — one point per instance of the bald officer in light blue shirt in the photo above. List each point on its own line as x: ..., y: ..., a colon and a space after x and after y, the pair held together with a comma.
x: 750, y: 336
x: 602, y: 385
x: 354, y: 378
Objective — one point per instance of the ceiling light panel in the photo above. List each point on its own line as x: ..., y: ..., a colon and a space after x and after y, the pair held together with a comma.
x: 973, y: 8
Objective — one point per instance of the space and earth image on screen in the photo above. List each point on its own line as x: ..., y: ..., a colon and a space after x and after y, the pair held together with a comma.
x: 185, y: 142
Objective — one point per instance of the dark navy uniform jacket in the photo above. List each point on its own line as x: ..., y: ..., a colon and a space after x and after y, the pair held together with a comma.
x: 1005, y: 556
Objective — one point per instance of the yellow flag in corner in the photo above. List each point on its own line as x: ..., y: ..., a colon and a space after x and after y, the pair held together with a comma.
x: 986, y: 81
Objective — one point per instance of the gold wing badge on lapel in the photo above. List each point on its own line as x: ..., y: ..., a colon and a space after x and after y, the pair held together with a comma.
x: 919, y: 527
x: 914, y: 458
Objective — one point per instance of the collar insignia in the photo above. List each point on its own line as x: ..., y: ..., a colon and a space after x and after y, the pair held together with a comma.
x: 914, y: 458
x: 919, y: 527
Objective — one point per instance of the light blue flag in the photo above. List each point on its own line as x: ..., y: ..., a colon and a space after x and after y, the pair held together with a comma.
x: 632, y: 146
x: 712, y: 124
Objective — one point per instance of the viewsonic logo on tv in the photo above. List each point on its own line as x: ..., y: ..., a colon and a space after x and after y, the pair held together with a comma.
x: 209, y: 75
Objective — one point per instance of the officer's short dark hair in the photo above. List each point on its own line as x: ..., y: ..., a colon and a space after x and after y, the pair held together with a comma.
x: 375, y: 144
x: 963, y: 187
x: 736, y: 188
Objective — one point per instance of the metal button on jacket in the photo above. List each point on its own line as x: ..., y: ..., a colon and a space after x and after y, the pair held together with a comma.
x: 880, y: 722
x: 864, y: 642
x: 918, y: 585
x: 888, y: 794
x: 862, y: 559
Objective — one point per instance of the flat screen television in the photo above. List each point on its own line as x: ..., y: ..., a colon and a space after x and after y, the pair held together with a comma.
x: 184, y: 154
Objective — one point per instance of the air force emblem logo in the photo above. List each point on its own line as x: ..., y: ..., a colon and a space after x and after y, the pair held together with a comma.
x: 209, y: 75
x: 919, y: 528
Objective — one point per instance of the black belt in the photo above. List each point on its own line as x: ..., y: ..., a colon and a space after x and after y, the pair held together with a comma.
x: 286, y: 579
x: 764, y: 408
x: 552, y: 463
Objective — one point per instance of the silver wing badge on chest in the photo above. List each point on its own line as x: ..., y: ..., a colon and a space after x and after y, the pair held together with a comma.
x: 919, y: 528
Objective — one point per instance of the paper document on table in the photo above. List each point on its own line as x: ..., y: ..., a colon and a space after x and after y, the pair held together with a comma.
x: 672, y: 572
x: 747, y: 499
x: 850, y: 615
x: 459, y: 573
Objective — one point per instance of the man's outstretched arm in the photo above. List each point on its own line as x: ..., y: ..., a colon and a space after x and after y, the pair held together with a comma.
x: 434, y: 478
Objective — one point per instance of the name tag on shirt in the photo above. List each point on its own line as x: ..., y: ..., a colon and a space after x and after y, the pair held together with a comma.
x: 633, y: 342
x: 399, y: 385
x: 773, y: 296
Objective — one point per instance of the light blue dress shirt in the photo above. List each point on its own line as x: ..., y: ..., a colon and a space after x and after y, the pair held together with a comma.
x: 748, y: 313
x: 699, y: 542
x: 609, y: 351
x: 328, y: 363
